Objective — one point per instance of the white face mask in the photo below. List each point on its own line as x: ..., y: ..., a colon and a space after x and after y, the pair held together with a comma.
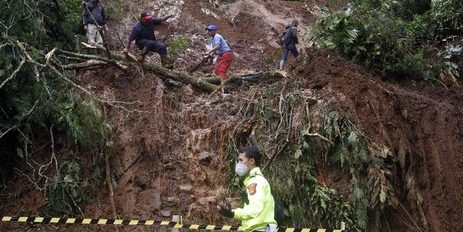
x: 241, y: 169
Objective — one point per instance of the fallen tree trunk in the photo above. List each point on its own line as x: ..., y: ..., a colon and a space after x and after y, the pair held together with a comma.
x: 203, y: 84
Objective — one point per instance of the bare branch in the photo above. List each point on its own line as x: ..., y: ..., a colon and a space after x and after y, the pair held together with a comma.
x: 321, y: 137
x: 87, y: 64
x: 29, y: 59
x: 93, y: 57
x: 14, y: 73
x: 6, y: 132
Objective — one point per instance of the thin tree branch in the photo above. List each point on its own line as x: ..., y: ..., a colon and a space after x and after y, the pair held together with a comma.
x: 14, y: 73
x: 6, y: 132
x: 321, y: 137
x: 29, y: 59
x: 87, y: 64
x: 93, y: 57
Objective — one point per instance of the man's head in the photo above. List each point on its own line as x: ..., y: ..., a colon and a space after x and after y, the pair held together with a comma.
x: 295, y: 23
x: 211, y: 29
x: 145, y: 16
x: 248, y: 158
x: 251, y: 155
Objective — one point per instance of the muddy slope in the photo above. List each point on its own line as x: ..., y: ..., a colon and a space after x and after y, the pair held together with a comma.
x: 423, y: 125
x: 170, y: 158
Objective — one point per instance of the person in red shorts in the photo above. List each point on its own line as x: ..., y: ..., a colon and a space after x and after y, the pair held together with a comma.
x: 220, y: 46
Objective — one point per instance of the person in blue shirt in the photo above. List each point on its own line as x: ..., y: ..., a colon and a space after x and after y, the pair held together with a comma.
x: 145, y: 39
x: 220, y: 46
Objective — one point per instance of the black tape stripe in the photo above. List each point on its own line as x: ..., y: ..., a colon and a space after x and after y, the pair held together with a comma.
x: 110, y: 222
x: 30, y: 219
x: 79, y: 220
x: 234, y: 228
x: 218, y: 227
x: 46, y: 220
x: 141, y: 222
x: 202, y: 227
x: 172, y: 224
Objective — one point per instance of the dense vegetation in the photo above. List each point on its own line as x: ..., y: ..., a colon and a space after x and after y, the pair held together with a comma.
x: 400, y: 39
x: 39, y: 105
x: 306, y: 148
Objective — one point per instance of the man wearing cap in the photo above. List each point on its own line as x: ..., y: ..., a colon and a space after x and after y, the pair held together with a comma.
x: 143, y: 34
x: 94, y: 19
x: 220, y: 46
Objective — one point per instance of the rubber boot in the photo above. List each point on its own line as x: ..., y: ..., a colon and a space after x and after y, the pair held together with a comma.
x: 282, y: 62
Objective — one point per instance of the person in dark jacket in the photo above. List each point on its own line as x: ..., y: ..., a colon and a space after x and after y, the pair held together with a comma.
x: 145, y: 39
x: 290, y: 46
x: 94, y: 20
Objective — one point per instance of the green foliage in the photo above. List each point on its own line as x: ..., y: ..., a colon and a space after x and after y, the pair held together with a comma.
x: 176, y: 46
x: 398, y: 38
x: 35, y: 101
x: 300, y: 137
x: 67, y: 191
x: 115, y: 10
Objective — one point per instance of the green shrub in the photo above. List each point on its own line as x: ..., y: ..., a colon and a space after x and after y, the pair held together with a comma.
x: 396, y: 39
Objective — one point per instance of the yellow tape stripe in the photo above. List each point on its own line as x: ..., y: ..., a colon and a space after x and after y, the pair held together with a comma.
x: 164, y: 223
x: 38, y: 220
x: 86, y: 221
x: 118, y: 222
x: 6, y: 219
x: 102, y: 221
x: 70, y: 221
x: 133, y: 222
x: 54, y: 220
x: 149, y: 223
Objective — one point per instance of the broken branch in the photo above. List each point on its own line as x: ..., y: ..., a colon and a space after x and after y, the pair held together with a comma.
x: 319, y: 136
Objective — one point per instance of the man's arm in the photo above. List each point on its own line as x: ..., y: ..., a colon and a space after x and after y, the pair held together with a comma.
x: 127, y: 47
x: 103, y: 15
x: 162, y: 19
x: 132, y: 37
x: 256, y: 202
x: 294, y: 32
x: 85, y: 14
x: 210, y: 52
x: 216, y: 41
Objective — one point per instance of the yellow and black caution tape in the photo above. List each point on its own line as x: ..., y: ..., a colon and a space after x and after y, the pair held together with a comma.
x: 171, y: 224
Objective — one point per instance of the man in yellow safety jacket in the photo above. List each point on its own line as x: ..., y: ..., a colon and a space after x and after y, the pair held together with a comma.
x: 258, y: 212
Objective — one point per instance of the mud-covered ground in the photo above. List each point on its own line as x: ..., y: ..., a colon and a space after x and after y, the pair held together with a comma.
x: 170, y: 159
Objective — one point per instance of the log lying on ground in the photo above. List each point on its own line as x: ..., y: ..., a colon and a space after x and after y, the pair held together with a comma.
x: 204, y: 84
